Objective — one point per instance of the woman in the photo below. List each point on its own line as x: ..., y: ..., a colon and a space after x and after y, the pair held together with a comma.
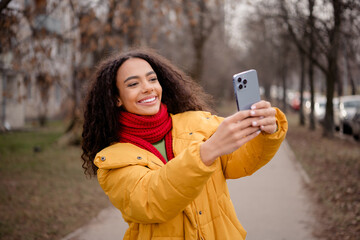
x: 161, y: 159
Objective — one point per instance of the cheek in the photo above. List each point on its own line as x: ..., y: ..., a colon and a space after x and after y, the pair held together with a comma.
x: 127, y: 98
x: 130, y: 99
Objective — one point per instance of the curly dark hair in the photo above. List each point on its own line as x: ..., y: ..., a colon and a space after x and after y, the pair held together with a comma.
x: 101, y: 116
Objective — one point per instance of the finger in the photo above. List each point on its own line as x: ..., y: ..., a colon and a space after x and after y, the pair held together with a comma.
x: 239, y: 116
x: 265, y: 121
x: 248, y: 122
x: 260, y: 105
x: 265, y: 112
x: 236, y: 131
x: 248, y: 138
x: 269, y: 128
x: 247, y: 131
x: 256, y: 121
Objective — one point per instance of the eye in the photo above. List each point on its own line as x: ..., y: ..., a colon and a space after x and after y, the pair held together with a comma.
x: 153, y: 79
x: 133, y: 84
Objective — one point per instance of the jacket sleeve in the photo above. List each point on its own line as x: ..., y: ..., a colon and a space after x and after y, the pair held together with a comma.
x: 154, y: 196
x: 255, y: 153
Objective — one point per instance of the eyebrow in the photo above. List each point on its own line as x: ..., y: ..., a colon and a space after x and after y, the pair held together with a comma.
x: 135, y: 77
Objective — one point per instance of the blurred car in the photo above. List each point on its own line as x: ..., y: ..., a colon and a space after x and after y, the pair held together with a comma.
x: 317, y: 106
x: 295, y: 103
x: 320, y: 110
x: 293, y: 100
x: 355, y: 124
x: 347, y: 109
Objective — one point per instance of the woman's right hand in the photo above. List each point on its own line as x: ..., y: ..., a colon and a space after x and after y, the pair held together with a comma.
x: 231, y: 134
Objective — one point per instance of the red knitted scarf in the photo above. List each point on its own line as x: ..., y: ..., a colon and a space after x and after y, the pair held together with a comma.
x: 142, y: 131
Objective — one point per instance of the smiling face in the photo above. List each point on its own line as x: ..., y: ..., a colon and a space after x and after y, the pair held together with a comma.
x: 139, y: 89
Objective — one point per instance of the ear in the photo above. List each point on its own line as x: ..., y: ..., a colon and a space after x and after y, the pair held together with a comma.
x: 118, y: 103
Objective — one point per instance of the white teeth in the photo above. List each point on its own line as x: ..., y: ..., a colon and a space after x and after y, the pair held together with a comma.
x: 148, y: 100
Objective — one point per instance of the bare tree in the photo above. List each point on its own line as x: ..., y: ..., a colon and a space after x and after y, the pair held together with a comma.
x: 311, y: 44
x: 302, y: 87
x: 325, y: 57
x: 269, y: 50
x: 202, y: 17
x: 350, y: 43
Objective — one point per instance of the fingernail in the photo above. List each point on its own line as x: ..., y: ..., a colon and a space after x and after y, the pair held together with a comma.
x: 252, y: 112
x: 253, y: 107
x: 254, y: 123
x: 258, y: 131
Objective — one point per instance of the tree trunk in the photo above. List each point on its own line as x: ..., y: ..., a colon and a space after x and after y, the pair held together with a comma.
x: 72, y: 135
x: 284, y: 85
x: 352, y: 82
x: 332, y: 73
x: 312, y: 96
x: 199, y: 61
x: 283, y: 70
x: 201, y: 23
x: 340, y: 89
x: 311, y: 64
x: 348, y: 69
x: 329, y: 114
x: 302, y: 86
x: 134, y: 24
x: 267, y: 91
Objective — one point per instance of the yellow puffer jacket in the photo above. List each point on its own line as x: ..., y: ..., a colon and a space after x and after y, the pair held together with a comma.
x: 183, y: 199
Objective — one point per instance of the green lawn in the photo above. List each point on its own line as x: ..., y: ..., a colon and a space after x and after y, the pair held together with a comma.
x: 43, y: 191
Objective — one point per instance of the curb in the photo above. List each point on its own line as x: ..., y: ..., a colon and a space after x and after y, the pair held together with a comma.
x: 305, y: 177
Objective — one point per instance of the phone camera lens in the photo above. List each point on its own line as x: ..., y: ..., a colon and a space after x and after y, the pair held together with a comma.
x: 245, y: 81
x: 240, y: 86
x: 239, y: 79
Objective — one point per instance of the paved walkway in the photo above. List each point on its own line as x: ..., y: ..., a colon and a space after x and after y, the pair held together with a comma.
x: 272, y: 204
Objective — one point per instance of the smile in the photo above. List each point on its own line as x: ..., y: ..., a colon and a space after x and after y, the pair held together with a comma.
x: 148, y: 100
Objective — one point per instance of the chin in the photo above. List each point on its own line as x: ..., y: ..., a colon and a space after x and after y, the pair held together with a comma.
x: 149, y: 112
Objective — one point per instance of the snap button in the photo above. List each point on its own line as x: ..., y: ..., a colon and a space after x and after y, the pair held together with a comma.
x: 139, y: 158
x: 103, y: 158
x: 200, y: 212
x: 190, y: 133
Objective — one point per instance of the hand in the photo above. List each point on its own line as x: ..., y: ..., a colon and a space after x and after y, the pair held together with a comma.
x: 266, y: 115
x: 231, y: 134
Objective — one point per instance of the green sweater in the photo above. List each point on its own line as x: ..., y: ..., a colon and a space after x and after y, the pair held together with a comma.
x: 160, y: 146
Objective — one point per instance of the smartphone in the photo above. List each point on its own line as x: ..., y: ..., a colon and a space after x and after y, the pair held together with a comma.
x: 247, y: 91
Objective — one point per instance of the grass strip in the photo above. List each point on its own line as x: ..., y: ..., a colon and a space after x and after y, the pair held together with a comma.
x: 43, y: 191
x: 334, y: 169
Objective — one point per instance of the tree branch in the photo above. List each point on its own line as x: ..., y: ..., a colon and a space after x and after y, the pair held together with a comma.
x: 298, y: 42
x: 3, y: 4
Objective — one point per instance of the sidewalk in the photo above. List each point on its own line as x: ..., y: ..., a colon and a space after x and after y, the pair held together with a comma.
x: 272, y: 204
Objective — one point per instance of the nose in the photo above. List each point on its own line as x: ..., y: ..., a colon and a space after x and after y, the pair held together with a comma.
x: 147, y: 87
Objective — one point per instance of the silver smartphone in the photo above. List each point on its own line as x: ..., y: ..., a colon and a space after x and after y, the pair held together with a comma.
x: 247, y: 91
